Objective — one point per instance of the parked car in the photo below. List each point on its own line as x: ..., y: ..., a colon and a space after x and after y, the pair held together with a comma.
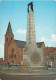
x: 12, y: 64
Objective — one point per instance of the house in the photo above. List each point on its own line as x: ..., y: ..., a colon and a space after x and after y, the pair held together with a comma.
x: 50, y: 56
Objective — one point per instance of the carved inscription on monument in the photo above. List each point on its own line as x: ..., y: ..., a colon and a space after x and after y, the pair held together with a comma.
x: 35, y: 58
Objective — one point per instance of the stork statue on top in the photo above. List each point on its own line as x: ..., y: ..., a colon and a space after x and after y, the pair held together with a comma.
x: 30, y: 4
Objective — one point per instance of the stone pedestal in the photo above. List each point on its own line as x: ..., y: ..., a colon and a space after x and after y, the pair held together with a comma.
x: 33, y: 57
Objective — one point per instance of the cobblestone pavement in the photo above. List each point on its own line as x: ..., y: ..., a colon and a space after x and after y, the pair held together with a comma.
x: 27, y: 77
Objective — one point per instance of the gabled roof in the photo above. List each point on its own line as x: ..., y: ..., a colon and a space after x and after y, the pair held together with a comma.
x: 52, y: 49
x: 21, y: 44
x: 49, y: 49
x: 39, y: 44
x: 9, y: 30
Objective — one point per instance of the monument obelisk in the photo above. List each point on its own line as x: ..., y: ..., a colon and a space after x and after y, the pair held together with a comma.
x: 32, y: 55
x: 30, y: 37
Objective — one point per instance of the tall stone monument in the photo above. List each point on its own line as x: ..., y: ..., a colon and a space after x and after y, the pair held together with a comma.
x: 32, y: 55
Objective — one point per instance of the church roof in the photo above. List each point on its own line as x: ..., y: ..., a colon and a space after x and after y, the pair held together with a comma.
x: 21, y: 44
x: 9, y: 30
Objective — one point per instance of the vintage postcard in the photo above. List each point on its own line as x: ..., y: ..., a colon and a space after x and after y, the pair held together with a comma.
x: 27, y: 39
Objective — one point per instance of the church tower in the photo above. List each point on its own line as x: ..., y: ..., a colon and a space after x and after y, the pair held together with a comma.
x: 8, y: 37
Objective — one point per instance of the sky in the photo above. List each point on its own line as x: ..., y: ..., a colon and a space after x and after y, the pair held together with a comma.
x: 16, y: 13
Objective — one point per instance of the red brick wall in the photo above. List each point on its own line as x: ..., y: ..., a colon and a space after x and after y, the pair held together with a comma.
x: 17, y: 51
x: 7, y: 42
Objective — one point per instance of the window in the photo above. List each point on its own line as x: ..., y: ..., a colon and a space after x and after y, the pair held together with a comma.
x: 12, y: 50
x: 14, y: 55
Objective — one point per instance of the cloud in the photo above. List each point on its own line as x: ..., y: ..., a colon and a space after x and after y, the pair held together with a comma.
x: 53, y: 37
x: 21, y: 31
x: 43, y: 39
x: 50, y: 41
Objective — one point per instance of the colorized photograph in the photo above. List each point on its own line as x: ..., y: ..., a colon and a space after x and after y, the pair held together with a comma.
x: 27, y: 39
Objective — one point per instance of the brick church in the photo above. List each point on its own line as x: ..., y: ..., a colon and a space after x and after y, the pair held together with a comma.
x: 13, y: 49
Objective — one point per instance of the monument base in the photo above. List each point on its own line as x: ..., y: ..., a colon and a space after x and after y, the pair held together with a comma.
x: 33, y: 57
x: 29, y: 69
x: 39, y: 68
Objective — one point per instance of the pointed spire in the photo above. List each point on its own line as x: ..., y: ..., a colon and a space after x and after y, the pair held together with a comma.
x: 9, y: 30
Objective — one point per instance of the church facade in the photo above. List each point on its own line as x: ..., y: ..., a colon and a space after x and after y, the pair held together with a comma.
x: 12, y: 52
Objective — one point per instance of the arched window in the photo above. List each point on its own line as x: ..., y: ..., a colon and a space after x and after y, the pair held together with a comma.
x: 12, y: 50
x: 14, y: 55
